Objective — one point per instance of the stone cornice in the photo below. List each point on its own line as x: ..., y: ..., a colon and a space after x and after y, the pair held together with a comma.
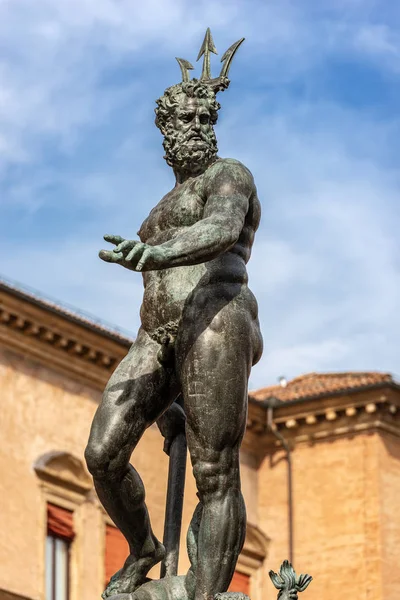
x: 375, y: 409
x: 77, y: 349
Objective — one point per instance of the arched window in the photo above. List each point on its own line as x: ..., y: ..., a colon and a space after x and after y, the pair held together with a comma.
x: 248, y: 574
x: 65, y: 484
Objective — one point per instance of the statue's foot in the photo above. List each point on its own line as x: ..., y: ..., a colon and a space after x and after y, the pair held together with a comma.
x: 133, y: 573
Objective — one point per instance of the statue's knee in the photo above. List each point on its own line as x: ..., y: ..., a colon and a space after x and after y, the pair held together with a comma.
x: 104, y: 465
x: 214, y: 478
x: 97, y: 459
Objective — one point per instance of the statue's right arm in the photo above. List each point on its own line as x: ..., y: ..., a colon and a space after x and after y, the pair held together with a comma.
x: 228, y: 188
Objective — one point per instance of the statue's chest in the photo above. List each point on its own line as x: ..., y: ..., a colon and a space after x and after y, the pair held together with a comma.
x: 179, y: 209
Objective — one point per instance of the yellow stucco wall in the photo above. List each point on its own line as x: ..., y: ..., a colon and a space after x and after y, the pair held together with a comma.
x: 337, y: 512
x: 389, y: 534
x: 42, y: 411
x: 346, y: 493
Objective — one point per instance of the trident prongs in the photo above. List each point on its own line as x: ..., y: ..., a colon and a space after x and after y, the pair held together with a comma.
x: 207, y: 47
x: 185, y: 66
x: 228, y: 57
x: 220, y: 83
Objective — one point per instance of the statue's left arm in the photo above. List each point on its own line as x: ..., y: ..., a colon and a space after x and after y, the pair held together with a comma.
x: 228, y: 187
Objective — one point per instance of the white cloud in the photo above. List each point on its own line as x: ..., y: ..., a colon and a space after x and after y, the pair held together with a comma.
x: 54, y: 54
x: 381, y: 43
x: 75, y: 274
x: 326, y: 271
x: 298, y: 357
x: 324, y: 268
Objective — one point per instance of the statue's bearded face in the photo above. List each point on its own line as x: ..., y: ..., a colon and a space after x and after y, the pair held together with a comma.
x: 189, y: 141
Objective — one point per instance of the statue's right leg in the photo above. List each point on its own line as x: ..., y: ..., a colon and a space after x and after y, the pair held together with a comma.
x: 138, y: 392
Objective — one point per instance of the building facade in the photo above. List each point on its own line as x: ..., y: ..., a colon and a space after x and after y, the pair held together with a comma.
x: 320, y: 466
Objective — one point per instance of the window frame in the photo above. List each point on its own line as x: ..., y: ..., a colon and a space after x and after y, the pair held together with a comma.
x: 53, y: 577
x: 64, y: 482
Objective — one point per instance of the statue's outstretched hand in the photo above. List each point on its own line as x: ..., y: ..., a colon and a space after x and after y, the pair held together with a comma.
x: 133, y: 254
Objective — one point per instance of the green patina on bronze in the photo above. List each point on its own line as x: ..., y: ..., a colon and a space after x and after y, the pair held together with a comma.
x: 198, y: 340
x: 288, y: 583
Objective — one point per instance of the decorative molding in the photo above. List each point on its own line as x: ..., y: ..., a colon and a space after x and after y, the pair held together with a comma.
x: 75, y: 348
x: 251, y: 559
x: 320, y: 419
x: 61, y: 470
x: 255, y: 550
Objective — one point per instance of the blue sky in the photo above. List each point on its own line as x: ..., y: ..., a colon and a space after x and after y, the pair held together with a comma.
x: 312, y: 110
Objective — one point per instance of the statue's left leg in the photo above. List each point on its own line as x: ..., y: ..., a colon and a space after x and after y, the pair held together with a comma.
x: 213, y: 366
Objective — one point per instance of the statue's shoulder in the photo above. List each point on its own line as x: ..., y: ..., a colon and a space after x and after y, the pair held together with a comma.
x: 224, y: 169
x: 229, y: 164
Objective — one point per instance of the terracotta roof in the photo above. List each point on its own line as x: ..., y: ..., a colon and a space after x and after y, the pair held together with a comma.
x: 320, y: 384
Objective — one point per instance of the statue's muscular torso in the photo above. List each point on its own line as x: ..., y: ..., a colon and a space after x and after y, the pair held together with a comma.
x: 171, y: 294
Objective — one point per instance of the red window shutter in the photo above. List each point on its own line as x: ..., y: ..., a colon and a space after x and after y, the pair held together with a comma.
x: 117, y: 550
x: 60, y: 522
x: 240, y: 583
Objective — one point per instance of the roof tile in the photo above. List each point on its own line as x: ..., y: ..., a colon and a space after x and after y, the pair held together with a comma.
x: 319, y: 384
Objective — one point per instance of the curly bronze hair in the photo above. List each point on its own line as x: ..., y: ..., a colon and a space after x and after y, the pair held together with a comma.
x: 167, y: 104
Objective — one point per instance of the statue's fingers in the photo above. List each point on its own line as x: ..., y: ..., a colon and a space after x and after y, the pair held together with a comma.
x: 276, y: 580
x: 124, y: 245
x: 143, y: 260
x: 110, y: 256
x: 113, y: 239
x: 135, y: 253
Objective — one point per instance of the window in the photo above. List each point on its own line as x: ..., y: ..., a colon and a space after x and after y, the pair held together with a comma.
x: 60, y: 534
x: 57, y: 568
x: 116, y: 551
x: 240, y: 583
